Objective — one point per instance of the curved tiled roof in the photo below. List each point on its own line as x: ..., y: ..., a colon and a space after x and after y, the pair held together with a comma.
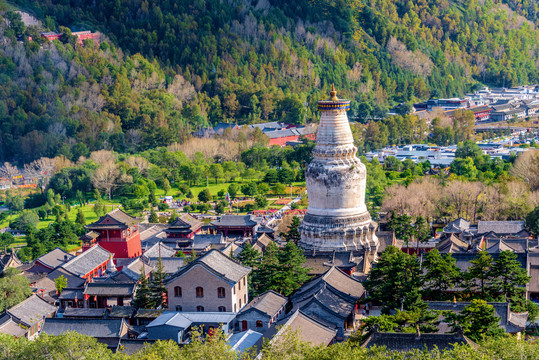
x: 269, y: 303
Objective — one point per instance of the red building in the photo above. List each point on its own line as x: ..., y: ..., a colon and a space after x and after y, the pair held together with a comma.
x: 51, y: 35
x: 85, y: 35
x: 184, y: 227
x: 118, y: 233
x: 482, y: 113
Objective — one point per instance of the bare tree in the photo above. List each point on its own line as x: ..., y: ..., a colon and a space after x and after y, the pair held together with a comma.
x: 139, y: 162
x: 526, y: 168
x: 106, y: 177
x: 8, y: 171
x: 42, y: 169
x: 102, y: 156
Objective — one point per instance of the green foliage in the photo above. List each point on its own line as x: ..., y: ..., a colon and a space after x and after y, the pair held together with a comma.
x: 157, y: 289
x: 80, y: 217
x: 153, y: 219
x: 205, y: 195
x: 532, y: 221
x: 143, y: 297
x: 293, y: 232
x: 478, y: 320
x: 441, y: 274
x: 384, y: 286
x: 60, y: 283
x: 14, y: 288
x: 27, y: 218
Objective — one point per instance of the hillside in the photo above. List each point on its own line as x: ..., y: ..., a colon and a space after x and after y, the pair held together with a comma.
x: 193, y: 63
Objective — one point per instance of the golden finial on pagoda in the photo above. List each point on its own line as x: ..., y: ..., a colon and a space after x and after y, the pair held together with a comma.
x: 333, y: 93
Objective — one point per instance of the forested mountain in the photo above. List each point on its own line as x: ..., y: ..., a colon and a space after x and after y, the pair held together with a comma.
x: 198, y: 62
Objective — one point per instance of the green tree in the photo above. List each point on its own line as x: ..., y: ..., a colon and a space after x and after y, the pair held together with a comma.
x: 468, y: 148
x: 249, y: 256
x: 261, y: 201
x: 60, y: 284
x: 216, y: 171
x: 157, y: 287
x: 478, y: 320
x: 508, y: 276
x: 293, y: 231
x: 532, y: 221
x: 233, y: 190
x: 395, y: 279
x: 204, y: 195
x: 142, y: 298
x: 153, y: 218
x: 166, y: 186
x: 14, y: 288
x: 480, y: 270
x: 292, y: 274
x: 80, y: 217
x: 441, y: 274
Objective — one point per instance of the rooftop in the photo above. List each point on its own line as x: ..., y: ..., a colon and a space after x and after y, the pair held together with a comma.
x: 114, y: 219
x: 234, y: 220
x: 55, y: 258
x: 159, y: 249
x: 269, y: 303
x: 98, y: 328
x: 500, y: 227
x: 218, y: 263
x: 108, y: 288
x: 32, y: 310
x: 87, y: 261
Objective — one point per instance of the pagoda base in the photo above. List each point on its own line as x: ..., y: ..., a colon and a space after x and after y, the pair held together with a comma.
x: 339, y: 233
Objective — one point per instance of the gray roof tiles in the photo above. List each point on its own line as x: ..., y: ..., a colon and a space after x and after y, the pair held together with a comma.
x: 107, y: 288
x: 500, y: 227
x: 55, y: 258
x: 97, y: 328
x: 269, y: 303
x: 84, y: 313
x: 170, y: 264
x: 32, y: 310
x: 220, y: 264
x: 87, y: 261
x: 159, y: 249
x: 234, y: 220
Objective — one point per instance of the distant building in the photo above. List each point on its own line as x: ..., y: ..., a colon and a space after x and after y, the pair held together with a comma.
x: 102, y: 294
x: 51, y: 35
x: 91, y: 263
x: 118, y: 233
x: 213, y: 282
x: 184, y: 227
x: 28, y: 315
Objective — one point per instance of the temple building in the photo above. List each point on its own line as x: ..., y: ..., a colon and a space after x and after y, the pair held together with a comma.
x: 116, y: 232
x: 337, y: 221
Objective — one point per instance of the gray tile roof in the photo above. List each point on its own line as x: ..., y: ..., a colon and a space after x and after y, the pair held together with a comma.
x: 109, y: 288
x: 170, y: 264
x: 202, y: 241
x: 87, y: 261
x: 149, y: 313
x: 309, y: 329
x: 452, y: 245
x: 500, y: 227
x: 10, y: 327
x: 73, y: 281
x: 335, y: 279
x: 32, y: 310
x: 71, y: 294
x: 55, y: 258
x: 235, y: 220
x: 186, y: 221
x: 218, y: 263
x: 159, y: 249
x: 84, y: 313
x: 97, y: 328
x: 121, y: 311
x: 268, y: 303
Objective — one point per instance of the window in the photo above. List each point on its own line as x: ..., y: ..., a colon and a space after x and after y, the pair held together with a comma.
x: 200, y: 308
x: 239, y: 285
x: 245, y: 298
x: 235, y: 308
x: 244, y: 282
x: 178, y: 308
x: 240, y: 303
x: 221, y: 309
x: 177, y: 291
x: 259, y: 323
x: 234, y: 289
x: 220, y: 292
x: 200, y: 292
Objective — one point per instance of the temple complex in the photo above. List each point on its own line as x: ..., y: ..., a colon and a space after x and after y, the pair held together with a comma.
x: 337, y: 221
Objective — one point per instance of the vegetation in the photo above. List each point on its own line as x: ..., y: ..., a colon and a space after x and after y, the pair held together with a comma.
x: 76, y: 346
x: 14, y: 288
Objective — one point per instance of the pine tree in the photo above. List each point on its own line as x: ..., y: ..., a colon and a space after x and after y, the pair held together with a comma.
x: 153, y: 219
x: 291, y: 274
x: 142, y: 298
x: 508, y: 276
x: 80, y: 218
x: 441, y: 273
x: 477, y: 320
x: 157, y: 285
x: 480, y: 270
x: 249, y: 256
x: 264, y: 277
x: 293, y: 232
